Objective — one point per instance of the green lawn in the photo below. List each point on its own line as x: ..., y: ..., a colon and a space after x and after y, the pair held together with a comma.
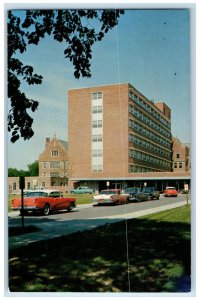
x: 96, y: 260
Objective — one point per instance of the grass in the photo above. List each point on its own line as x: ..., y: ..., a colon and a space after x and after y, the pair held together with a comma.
x: 80, y: 199
x: 96, y: 260
x: 13, y: 231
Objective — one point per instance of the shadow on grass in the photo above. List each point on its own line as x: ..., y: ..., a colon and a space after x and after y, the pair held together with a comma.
x: 96, y: 260
x: 13, y: 231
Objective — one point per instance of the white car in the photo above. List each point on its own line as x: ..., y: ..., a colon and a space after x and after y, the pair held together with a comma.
x: 111, y: 196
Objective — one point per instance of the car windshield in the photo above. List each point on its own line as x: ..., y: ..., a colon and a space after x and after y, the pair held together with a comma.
x: 147, y: 189
x: 132, y: 190
x: 107, y: 192
x: 36, y: 194
x: 170, y: 188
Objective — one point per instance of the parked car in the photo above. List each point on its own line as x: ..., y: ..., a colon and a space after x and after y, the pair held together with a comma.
x: 184, y: 191
x: 44, y: 201
x: 148, y: 193
x: 82, y: 190
x: 133, y: 193
x: 111, y: 196
x: 170, y: 191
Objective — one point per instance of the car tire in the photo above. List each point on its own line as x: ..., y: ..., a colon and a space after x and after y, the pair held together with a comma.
x: 25, y: 213
x: 70, y: 207
x: 46, y: 209
x: 127, y: 200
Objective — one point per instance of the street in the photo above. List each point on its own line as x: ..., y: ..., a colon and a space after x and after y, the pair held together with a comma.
x: 85, y: 217
x: 89, y: 211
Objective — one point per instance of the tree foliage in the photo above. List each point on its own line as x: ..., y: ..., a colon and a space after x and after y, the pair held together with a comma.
x: 69, y: 26
x: 13, y: 172
x: 33, y: 170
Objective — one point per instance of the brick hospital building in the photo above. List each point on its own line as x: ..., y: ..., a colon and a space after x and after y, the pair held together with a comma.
x: 118, y: 138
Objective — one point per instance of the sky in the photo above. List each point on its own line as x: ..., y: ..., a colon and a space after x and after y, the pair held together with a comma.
x: 150, y: 49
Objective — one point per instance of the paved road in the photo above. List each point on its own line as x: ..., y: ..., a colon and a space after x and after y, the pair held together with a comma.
x: 86, y: 217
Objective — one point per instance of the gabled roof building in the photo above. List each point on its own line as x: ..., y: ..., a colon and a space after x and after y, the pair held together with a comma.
x: 53, y: 162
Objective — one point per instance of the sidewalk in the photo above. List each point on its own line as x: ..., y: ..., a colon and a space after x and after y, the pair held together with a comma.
x: 61, y: 228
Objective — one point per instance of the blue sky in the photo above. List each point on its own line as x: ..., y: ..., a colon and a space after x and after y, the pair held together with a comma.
x: 149, y: 46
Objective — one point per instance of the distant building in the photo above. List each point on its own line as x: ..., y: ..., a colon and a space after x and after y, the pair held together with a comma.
x: 180, y: 156
x: 30, y: 183
x: 53, y: 169
x: 53, y: 163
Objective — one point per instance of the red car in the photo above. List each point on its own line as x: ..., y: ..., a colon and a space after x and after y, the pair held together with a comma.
x: 44, y: 201
x: 170, y: 191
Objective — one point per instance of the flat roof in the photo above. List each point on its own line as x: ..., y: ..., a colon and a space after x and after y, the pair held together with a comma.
x: 97, y: 86
x: 133, y: 178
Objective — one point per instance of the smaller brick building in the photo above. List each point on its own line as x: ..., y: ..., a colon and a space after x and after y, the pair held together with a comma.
x: 53, y: 169
x: 180, y: 156
x: 53, y: 163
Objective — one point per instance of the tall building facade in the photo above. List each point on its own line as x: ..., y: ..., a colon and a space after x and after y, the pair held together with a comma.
x: 116, y: 132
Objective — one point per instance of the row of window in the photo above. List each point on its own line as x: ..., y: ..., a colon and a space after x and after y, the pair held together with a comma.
x: 178, y: 165
x: 54, y: 153
x: 54, y: 165
x: 136, y: 140
x: 148, y: 158
x: 149, y: 121
x: 149, y: 109
x: 149, y: 134
x: 14, y: 186
x: 54, y: 174
x: 140, y: 169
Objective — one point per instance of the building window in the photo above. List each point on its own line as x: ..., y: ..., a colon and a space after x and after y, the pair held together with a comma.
x: 177, y: 155
x: 54, y: 164
x: 97, y: 95
x: 54, y: 153
x: 97, y: 168
x: 28, y: 185
x: 44, y: 165
x: 97, y: 153
x: 97, y: 124
x: 180, y: 165
x: 65, y: 165
x: 54, y: 174
x: 43, y: 184
x: 14, y: 186
x: 96, y: 109
x: 97, y: 138
x: 175, y: 165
